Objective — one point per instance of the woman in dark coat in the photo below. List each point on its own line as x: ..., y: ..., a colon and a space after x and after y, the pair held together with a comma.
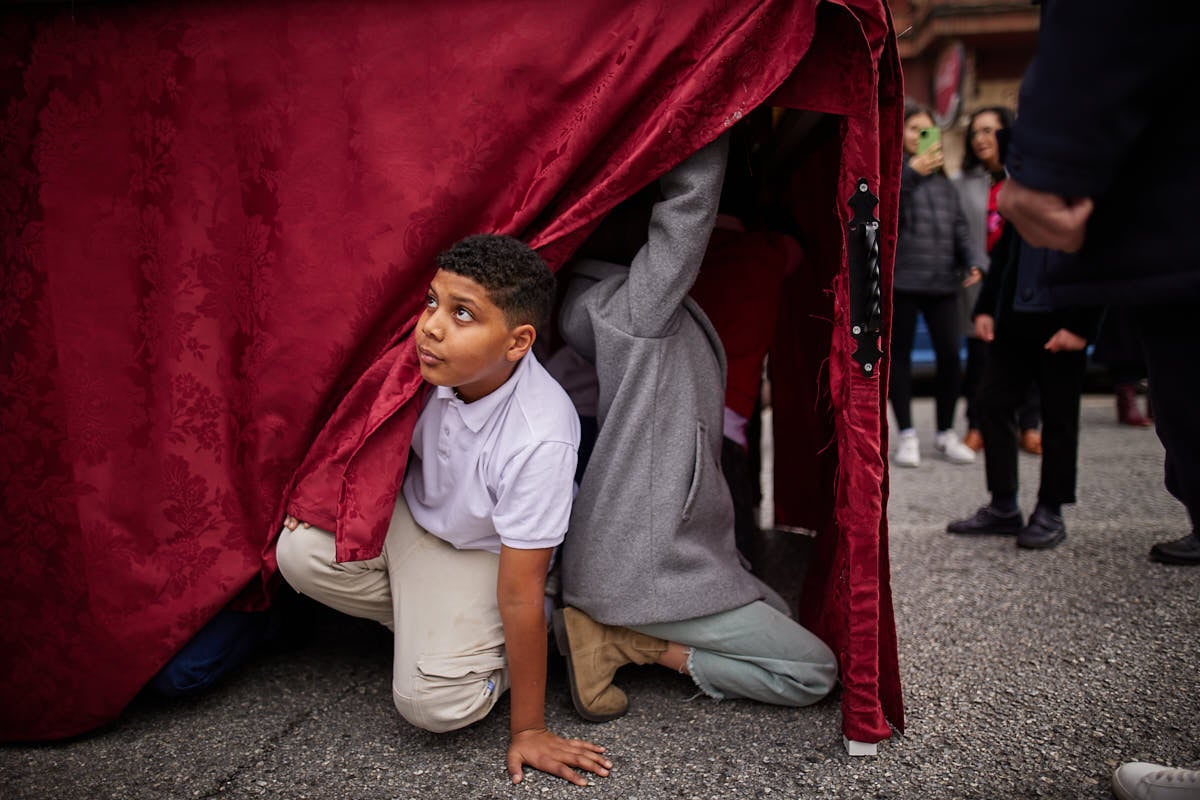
x: 978, y: 184
x: 935, y: 256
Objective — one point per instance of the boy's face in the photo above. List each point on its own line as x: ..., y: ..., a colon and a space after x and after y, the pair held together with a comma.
x: 463, y: 339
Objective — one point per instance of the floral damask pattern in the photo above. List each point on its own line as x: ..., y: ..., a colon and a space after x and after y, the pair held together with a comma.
x: 217, y: 220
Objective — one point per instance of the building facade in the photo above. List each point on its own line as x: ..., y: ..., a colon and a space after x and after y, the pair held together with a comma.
x: 959, y: 55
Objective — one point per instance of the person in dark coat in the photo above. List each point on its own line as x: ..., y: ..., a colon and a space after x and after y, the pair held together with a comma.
x: 1101, y: 172
x: 934, y: 254
x: 1043, y: 348
x: 977, y: 184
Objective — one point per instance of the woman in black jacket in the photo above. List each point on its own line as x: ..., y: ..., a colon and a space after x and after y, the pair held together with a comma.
x: 935, y: 257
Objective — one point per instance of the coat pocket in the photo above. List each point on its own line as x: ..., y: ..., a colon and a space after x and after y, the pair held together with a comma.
x: 698, y: 455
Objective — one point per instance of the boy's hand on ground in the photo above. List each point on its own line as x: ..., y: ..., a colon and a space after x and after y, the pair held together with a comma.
x: 552, y: 754
x: 291, y: 523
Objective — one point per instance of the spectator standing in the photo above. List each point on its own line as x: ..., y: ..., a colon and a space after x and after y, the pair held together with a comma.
x: 978, y: 184
x: 1119, y: 349
x: 1045, y: 348
x: 934, y: 258
x: 1100, y: 173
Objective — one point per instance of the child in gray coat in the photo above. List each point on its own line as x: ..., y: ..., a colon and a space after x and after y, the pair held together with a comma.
x: 650, y: 570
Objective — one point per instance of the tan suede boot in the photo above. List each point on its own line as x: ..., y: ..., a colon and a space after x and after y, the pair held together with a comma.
x: 594, y: 653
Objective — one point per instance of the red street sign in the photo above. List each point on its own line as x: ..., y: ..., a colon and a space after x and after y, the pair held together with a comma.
x: 947, y: 84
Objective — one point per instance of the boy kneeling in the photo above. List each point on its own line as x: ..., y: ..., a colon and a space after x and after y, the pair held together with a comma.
x: 486, y: 499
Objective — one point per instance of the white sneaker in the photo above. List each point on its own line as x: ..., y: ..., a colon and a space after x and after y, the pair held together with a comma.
x: 947, y: 443
x: 1138, y: 780
x: 908, y: 450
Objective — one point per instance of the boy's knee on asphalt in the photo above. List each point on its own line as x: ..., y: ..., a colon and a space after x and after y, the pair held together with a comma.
x: 445, y: 693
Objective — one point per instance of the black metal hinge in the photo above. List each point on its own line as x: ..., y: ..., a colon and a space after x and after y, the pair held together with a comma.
x: 866, y: 304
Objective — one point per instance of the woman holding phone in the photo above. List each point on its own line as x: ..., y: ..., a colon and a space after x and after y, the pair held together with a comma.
x: 935, y: 258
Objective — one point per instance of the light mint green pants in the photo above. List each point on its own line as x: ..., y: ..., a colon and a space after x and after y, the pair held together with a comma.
x: 754, y: 652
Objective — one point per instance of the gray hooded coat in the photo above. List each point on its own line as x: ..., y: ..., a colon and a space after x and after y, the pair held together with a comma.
x: 651, y: 532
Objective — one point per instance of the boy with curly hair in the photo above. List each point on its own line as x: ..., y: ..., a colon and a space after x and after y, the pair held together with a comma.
x: 486, y: 499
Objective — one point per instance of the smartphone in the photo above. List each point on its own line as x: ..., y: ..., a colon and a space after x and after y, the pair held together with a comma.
x: 927, y: 138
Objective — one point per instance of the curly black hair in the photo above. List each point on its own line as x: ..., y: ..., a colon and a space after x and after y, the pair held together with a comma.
x: 516, y: 278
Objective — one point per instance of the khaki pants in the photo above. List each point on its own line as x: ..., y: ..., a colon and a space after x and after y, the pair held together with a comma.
x: 449, y: 667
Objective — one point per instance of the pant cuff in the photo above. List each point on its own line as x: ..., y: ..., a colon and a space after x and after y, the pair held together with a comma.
x: 699, y: 679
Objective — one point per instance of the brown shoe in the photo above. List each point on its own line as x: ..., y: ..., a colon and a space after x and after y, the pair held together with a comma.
x: 1031, y: 441
x: 594, y: 653
x: 1128, y: 412
x: 973, y: 439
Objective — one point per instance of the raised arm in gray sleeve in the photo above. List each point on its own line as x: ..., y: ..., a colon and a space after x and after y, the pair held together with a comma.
x: 665, y: 268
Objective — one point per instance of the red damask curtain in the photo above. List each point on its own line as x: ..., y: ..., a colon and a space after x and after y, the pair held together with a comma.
x: 217, y: 223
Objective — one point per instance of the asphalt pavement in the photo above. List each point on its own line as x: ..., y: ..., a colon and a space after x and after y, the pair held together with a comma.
x: 1026, y: 674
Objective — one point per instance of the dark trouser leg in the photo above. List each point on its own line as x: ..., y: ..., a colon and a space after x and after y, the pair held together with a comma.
x: 941, y: 317
x: 1170, y: 337
x: 904, y: 330
x: 1060, y: 382
x: 1006, y: 377
x: 977, y: 352
x: 735, y: 466
x: 1029, y: 415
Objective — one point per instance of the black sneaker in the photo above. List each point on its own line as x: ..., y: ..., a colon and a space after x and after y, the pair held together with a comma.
x: 1045, y: 530
x: 1184, y: 552
x: 988, y: 520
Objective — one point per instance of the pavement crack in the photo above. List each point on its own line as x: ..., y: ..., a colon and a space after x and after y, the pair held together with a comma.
x: 272, y: 742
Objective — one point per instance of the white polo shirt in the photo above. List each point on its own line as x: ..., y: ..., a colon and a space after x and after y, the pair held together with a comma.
x: 498, y: 470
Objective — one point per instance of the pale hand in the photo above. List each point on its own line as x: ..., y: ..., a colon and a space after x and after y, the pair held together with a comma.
x: 1063, y: 341
x: 973, y: 277
x: 929, y: 161
x: 1044, y: 219
x: 291, y: 523
x: 552, y: 754
x: 985, y: 327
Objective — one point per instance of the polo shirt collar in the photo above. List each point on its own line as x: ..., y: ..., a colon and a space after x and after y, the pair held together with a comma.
x: 475, y: 415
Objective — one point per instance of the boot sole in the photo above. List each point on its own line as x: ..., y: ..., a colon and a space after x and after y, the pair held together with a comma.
x: 1176, y: 561
x: 1044, y: 544
x: 563, y: 642
x: 985, y: 532
x: 997, y: 531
